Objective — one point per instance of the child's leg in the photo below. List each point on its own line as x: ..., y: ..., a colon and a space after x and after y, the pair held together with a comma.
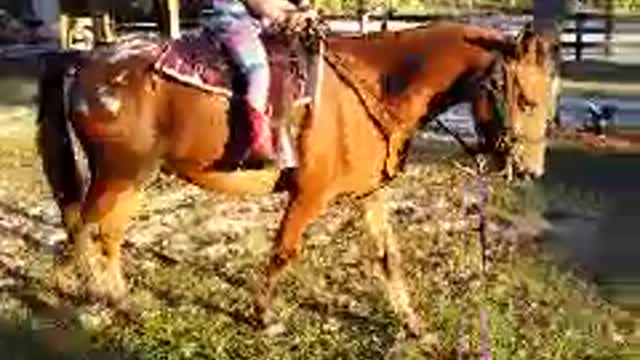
x: 248, y: 52
x: 242, y: 39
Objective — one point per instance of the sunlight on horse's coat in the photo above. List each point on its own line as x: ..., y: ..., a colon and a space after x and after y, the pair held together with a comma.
x: 107, y: 96
x: 121, y: 78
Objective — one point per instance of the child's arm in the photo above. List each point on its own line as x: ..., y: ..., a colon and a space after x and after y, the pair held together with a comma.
x: 271, y: 10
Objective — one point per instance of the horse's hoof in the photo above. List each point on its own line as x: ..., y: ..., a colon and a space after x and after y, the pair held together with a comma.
x: 262, y: 317
x: 275, y: 329
x: 129, y: 308
x: 117, y: 301
x: 106, y: 296
x: 64, y: 279
x: 413, y: 326
x: 118, y: 291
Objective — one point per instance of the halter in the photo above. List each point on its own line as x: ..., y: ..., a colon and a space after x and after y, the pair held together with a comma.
x: 502, y: 83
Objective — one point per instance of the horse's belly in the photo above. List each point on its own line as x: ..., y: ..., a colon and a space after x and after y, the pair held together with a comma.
x: 199, y: 132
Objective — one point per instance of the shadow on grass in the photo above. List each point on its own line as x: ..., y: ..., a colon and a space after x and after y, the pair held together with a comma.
x: 605, y: 247
x: 617, y: 174
x: 601, y: 71
x: 18, y: 81
x: 41, y: 330
x: 52, y: 333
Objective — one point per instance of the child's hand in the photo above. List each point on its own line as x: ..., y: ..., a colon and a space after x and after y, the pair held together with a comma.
x: 299, y: 18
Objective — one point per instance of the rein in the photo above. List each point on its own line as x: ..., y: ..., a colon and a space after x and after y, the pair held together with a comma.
x: 482, y: 188
x: 468, y: 149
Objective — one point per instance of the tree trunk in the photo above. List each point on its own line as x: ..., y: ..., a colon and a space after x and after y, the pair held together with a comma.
x: 548, y: 14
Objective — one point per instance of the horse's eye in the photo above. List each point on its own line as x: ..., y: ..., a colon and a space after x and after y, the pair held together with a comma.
x: 526, y: 105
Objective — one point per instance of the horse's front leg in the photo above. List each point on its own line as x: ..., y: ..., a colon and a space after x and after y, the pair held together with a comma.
x: 388, y: 260
x: 303, y: 208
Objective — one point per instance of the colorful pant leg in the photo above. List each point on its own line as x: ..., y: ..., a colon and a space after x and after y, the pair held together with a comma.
x: 232, y: 24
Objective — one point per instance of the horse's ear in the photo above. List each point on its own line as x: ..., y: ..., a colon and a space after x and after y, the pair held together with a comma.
x: 526, y: 42
x: 510, y: 47
x: 527, y: 30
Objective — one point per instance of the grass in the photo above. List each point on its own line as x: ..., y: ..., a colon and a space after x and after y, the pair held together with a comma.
x: 190, y: 256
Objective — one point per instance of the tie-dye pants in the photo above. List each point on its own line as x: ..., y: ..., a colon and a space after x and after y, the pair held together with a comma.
x: 231, y: 22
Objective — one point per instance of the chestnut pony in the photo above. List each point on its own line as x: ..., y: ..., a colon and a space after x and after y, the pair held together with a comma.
x: 127, y: 119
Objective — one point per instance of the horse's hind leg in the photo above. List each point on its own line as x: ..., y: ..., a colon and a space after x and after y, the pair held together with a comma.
x: 76, y: 252
x: 388, y: 259
x: 106, y: 212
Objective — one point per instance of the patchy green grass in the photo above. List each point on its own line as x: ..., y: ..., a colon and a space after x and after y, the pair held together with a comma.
x: 190, y: 256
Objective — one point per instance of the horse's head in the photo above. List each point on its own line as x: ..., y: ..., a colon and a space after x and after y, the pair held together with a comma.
x: 520, y: 89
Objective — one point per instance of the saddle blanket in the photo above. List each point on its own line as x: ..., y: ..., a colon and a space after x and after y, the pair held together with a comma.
x: 204, y: 63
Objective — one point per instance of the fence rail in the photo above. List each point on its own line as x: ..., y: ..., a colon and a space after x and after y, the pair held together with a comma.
x: 582, y: 33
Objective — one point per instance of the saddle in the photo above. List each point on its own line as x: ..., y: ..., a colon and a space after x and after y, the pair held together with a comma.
x: 200, y: 60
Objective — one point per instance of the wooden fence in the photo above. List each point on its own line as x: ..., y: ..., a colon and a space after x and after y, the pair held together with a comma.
x: 581, y: 32
x: 613, y: 33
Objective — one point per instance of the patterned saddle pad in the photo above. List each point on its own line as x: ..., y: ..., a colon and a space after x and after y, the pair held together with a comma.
x: 203, y: 62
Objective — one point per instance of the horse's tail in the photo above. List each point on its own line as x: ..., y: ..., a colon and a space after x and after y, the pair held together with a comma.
x: 54, y: 134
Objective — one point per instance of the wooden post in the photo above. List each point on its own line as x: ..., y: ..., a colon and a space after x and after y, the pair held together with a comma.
x: 548, y: 18
x: 549, y: 14
x: 363, y: 15
x: 63, y: 30
x: 101, y: 22
x: 579, y: 20
x: 103, y: 28
x: 388, y: 15
x: 608, y: 28
x: 170, y: 18
x: 174, y: 18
